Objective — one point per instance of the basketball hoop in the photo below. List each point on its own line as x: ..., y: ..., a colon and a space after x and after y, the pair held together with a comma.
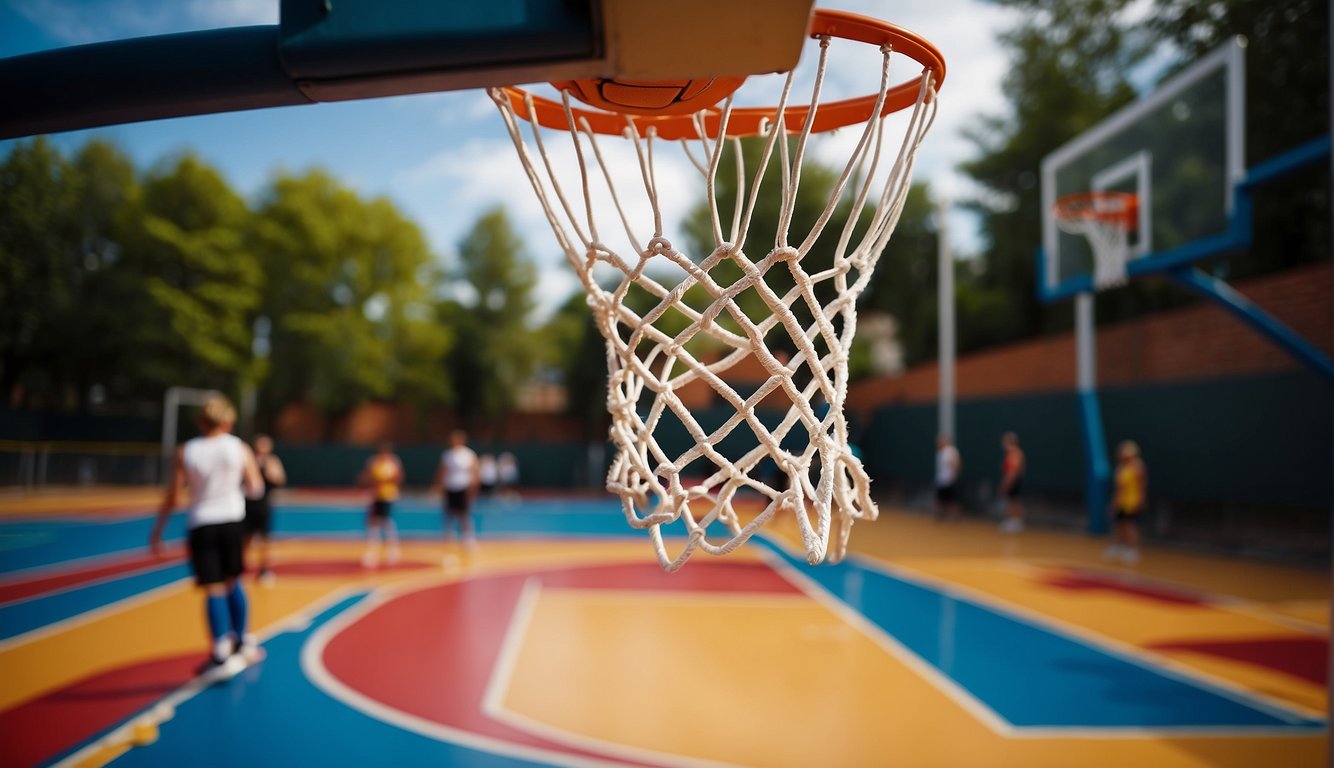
x: 823, y: 484
x: 1106, y: 220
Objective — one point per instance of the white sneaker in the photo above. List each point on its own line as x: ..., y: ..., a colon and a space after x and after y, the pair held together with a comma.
x: 1113, y: 552
x: 1129, y: 555
x: 1012, y: 525
x: 392, y: 557
x: 251, y: 652
x: 370, y: 559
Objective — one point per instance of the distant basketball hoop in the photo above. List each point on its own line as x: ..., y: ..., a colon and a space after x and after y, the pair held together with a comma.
x: 1106, y: 220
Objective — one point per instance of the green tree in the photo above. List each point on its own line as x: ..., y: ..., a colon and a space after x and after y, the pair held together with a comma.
x: 348, y: 298
x: 104, y: 192
x: 496, y: 352
x: 905, y: 279
x: 571, y: 344
x: 36, y: 265
x: 200, y: 280
x: 63, y: 224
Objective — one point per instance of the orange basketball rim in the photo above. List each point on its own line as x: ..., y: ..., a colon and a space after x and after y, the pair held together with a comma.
x: 677, y: 121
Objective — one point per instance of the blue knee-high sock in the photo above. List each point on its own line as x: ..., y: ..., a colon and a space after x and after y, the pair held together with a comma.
x: 236, y: 603
x: 215, y: 607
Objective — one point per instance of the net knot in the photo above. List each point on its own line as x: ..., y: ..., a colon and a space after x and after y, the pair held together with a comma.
x: 660, y: 245
x: 786, y: 253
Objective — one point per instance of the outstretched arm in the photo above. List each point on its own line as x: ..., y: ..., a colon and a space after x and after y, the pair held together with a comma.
x: 250, y: 477
x: 169, y: 501
x: 275, y: 471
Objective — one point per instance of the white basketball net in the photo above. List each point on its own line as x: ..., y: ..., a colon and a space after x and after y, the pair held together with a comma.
x: 824, y: 485
x: 1101, y: 221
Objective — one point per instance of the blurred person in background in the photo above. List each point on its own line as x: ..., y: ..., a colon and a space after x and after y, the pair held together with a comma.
x: 259, y: 510
x: 1130, y: 489
x: 1013, y: 465
x: 383, y: 474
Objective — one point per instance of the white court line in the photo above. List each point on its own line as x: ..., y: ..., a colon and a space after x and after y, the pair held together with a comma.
x: 79, y: 563
x: 493, y: 704
x: 77, y: 620
x: 856, y: 619
x: 1279, y: 708
x: 312, y: 664
x: 1251, y: 608
x: 155, y: 714
x: 994, y: 720
x: 95, y: 582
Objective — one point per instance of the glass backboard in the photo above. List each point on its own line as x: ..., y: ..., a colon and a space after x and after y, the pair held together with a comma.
x: 1179, y: 150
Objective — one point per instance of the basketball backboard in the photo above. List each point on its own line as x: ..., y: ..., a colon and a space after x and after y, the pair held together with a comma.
x: 354, y: 49
x: 1179, y: 150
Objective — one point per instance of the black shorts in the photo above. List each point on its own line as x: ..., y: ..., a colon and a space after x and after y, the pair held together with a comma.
x: 1123, y: 514
x: 258, y: 517
x: 457, y: 503
x: 216, y: 552
x: 945, y: 494
x: 1015, y: 489
x: 380, y: 509
x: 487, y: 489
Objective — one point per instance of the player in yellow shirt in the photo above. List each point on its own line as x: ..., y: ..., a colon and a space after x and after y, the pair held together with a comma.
x: 383, y: 474
x: 1131, y: 485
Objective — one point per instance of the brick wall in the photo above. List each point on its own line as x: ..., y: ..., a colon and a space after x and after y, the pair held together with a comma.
x: 1195, y: 342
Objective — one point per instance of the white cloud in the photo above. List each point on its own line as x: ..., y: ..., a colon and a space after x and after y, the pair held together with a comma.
x: 233, y: 13
x: 74, y: 22
x: 484, y: 172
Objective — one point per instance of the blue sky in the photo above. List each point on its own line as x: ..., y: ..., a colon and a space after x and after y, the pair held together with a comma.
x: 443, y: 158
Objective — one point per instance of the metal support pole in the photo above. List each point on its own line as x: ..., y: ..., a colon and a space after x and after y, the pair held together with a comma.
x: 1244, y: 309
x: 1097, y: 469
x: 945, y: 302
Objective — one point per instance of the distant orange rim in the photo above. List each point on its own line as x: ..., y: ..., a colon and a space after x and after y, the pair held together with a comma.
x: 1106, y: 206
x: 748, y: 121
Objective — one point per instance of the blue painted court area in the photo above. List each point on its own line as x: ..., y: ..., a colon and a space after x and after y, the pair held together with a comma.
x: 1030, y: 675
x: 27, y: 615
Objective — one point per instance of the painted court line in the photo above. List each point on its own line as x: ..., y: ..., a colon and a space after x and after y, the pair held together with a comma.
x: 1250, y: 608
x: 951, y: 689
x: 1280, y: 709
x: 493, y: 704
x: 133, y: 568
x: 159, y: 712
x: 93, y: 615
x: 312, y: 664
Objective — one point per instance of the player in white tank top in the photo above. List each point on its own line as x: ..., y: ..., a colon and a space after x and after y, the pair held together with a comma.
x: 459, y: 478
x: 213, y: 472
x: 214, y: 467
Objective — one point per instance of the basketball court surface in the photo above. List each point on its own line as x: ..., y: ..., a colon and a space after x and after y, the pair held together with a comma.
x: 561, y: 641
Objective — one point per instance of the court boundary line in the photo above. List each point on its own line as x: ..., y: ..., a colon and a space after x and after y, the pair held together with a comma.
x: 1252, y: 608
x: 122, y: 733
x: 101, y: 580
x: 86, y: 561
x: 502, y: 674
x: 95, y: 614
x: 952, y: 690
x: 312, y: 665
x: 1010, y: 730
x: 1295, y: 714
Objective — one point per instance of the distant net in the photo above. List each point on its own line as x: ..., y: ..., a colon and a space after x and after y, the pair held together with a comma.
x: 1105, y: 220
x: 42, y: 463
x: 801, y: 465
